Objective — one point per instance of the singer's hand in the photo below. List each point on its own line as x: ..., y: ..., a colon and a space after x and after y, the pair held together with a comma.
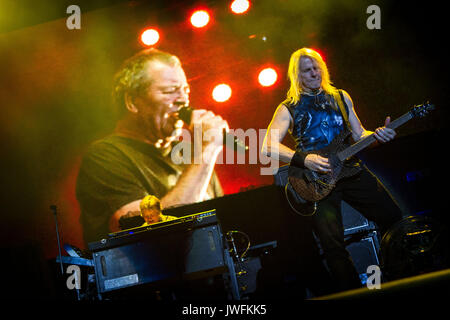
x: 208, y: 127
x: 211, y: 126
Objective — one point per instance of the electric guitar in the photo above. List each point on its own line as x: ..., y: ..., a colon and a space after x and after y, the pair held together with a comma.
x: 306, y: 187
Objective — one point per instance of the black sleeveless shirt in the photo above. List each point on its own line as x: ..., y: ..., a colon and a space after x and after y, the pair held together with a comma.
x: 317, y: 120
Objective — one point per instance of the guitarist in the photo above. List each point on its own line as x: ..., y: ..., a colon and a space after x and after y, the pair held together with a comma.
x: 314, y: 113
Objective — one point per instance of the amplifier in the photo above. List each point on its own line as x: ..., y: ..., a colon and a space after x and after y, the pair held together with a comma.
x: 365, y: 253
x: 189, y: 247
x: 353, y: 221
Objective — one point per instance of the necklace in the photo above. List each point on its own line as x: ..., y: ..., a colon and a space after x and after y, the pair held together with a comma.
x: 315, y: 93
x: 323, y: 101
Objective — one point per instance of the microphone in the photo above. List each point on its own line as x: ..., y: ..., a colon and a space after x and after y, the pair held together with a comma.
x: 185, y: 114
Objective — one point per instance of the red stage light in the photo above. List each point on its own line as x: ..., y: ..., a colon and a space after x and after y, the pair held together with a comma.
x: 200, y: 18
x: 150, y: 37
x: 240, y: 6
x: 221, y: 92
x: 267, y: 77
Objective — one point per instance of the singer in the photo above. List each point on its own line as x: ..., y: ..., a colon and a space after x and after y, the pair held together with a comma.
x: 134, y: 161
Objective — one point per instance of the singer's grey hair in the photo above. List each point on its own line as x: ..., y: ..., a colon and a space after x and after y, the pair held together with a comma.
x: 132, y: 79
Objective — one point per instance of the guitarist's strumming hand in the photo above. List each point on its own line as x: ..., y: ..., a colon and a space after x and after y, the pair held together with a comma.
x: 385, y: 134
x: 317, y: 163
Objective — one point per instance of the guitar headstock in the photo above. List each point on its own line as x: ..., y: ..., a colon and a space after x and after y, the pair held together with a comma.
x: 422, y: 109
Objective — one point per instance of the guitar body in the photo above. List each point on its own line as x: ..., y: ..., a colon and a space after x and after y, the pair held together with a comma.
x: 313, y: 186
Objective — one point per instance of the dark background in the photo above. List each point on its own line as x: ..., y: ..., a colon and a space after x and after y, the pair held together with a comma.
x: 55, y: 90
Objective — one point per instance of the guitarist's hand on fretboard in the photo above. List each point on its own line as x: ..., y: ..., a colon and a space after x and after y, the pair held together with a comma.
x: 385, y: 134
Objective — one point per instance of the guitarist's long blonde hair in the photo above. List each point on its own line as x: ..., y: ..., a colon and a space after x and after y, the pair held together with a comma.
x: 294, y: 74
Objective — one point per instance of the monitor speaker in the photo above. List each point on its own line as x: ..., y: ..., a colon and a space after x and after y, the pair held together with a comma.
x: 168, y: 257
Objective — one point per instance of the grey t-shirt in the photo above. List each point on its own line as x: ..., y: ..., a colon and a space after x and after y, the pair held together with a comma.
x: 118, y: 170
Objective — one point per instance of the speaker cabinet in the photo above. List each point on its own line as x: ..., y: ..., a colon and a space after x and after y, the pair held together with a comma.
x: 364, y: 249
x: 353, y: 221
x: 364, y: 253
x: 160, y: 258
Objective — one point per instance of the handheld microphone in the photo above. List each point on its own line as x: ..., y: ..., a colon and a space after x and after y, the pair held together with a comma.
x: 185, y: 114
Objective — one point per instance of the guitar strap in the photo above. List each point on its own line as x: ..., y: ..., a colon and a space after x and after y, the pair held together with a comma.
x: 339, y: 98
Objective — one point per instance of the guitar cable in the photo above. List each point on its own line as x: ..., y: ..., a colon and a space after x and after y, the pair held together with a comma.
x: 292, y: 207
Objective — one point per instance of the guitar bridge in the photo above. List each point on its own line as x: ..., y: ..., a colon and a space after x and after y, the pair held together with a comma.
x: 324, y: 184
x: 352, y: 162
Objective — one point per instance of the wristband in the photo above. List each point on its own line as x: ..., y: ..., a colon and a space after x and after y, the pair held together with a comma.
x: 298, y: 160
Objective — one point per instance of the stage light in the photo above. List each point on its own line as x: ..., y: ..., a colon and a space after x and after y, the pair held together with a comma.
x: 200, y: 18
x: 240, y: 6
x: 221, y: 92
x: 150, y: 37
x: 267, y: 77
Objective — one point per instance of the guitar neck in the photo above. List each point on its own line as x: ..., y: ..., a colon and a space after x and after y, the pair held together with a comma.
x: 367, y: 141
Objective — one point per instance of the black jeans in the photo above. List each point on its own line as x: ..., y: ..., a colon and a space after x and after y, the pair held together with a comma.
x: 365, y: 193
